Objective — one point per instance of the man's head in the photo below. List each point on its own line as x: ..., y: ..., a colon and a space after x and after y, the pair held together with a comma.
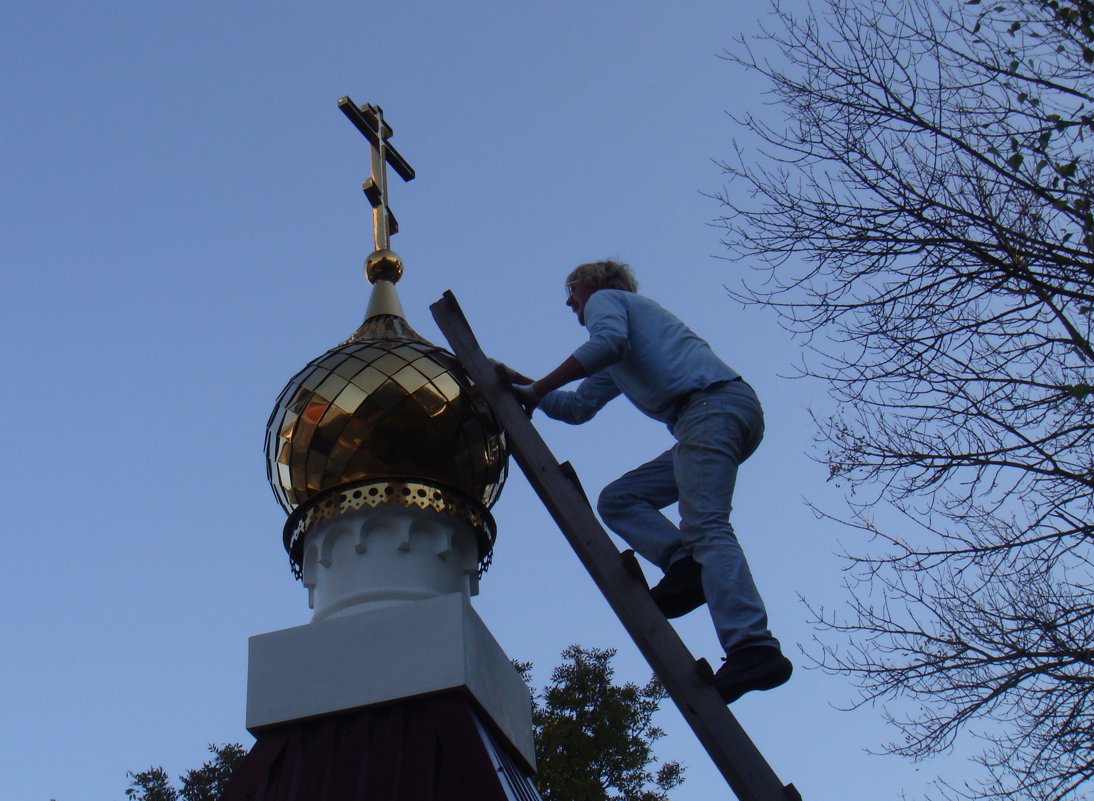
x: 585, y: 279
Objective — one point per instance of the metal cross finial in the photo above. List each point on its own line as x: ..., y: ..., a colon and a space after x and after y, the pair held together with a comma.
x: 369, y: 120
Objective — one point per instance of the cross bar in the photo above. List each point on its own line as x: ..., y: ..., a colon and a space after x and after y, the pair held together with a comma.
x: 367, y: 121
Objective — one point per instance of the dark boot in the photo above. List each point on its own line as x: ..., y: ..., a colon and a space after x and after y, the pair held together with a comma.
x: 681, y: 590
x: 759, y: 667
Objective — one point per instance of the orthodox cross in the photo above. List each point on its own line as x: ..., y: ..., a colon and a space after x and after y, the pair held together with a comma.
x: 369, y: 120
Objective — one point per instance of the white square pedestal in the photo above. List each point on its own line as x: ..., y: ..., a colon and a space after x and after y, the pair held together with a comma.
x: 376, y: 657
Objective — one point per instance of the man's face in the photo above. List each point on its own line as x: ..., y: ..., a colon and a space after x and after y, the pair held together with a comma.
x: 577, y: 295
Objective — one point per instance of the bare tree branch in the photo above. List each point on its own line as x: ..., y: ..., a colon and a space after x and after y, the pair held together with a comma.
x: 921, y: 217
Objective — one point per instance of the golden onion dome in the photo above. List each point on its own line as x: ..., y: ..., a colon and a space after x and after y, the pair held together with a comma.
x: 384, y: 418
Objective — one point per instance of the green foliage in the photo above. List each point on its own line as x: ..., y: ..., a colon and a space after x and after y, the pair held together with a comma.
x: 594, y: 738
x: 151, y: 785
x: 202, y: 784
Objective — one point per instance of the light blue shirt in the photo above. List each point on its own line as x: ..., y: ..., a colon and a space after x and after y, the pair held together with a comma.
x: 638, y: 349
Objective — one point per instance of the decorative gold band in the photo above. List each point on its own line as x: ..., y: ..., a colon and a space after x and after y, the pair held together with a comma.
x: 346, y: 498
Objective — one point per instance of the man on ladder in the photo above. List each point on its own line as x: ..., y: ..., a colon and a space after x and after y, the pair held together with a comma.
x: 640, y: 350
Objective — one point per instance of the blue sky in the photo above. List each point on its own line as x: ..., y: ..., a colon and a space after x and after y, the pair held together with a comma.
x: 183, y: 229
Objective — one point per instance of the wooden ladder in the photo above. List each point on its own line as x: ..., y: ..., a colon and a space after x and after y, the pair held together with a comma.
x: 618, y: 576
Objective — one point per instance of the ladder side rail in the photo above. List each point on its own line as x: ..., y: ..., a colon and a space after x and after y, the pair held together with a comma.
x: 730, y: 748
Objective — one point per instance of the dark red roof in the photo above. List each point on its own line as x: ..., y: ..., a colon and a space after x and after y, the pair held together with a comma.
x: 426, y: 749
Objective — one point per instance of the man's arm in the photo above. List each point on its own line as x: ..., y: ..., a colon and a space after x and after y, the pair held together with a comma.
x: 583, y: 403
x: 529, y: 392
x: 569, y: 370
x: 606, y: 319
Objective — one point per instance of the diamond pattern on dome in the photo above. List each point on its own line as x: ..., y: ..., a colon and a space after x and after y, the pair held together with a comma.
x: 380, y: 409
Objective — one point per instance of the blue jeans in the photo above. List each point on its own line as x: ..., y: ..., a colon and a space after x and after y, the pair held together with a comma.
x: 716, y: 429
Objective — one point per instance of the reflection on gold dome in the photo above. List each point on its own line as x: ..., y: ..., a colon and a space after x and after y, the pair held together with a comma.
x: 383, y: 408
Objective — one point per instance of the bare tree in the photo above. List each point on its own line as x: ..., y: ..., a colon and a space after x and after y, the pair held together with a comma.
x: 921, y: 216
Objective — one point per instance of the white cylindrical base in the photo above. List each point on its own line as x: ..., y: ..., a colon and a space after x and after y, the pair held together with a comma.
x: 372, y: 558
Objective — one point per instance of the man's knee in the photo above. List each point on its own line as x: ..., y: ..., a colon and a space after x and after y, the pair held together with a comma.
x: 708, y: 530
x: 614, y: 499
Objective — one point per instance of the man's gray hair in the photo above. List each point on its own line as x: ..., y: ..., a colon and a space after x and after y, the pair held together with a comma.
x: 605, y: 274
